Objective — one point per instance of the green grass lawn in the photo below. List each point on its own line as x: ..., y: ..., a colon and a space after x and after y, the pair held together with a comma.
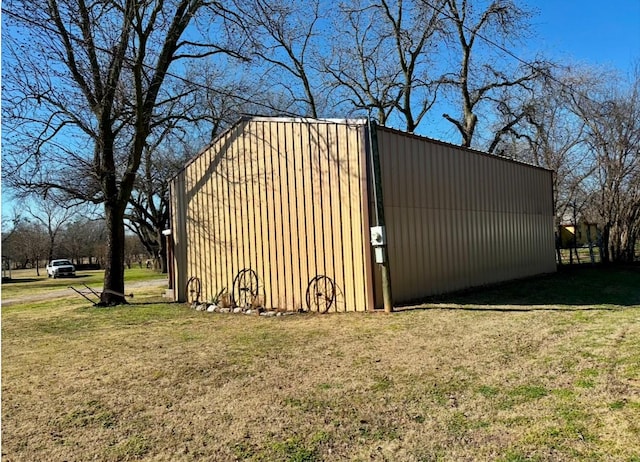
x: 27, y: 281
x: 546, y: 369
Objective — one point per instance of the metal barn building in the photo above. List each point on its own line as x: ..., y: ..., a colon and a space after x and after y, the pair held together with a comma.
x: 299, y: 213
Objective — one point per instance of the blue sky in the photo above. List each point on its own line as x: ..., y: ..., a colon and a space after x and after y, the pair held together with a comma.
x: 589, y: 32
x: 593, y: 32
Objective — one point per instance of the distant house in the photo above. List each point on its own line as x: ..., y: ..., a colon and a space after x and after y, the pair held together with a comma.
x: 296, y: 212
x: 586, y: 233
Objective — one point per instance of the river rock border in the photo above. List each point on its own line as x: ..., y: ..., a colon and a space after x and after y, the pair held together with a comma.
x: 213, y: 308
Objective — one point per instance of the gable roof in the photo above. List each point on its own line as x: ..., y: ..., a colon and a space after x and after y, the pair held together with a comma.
x: 355, y: 121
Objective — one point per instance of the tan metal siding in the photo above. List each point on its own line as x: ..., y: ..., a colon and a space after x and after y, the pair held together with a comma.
x: 457, y: 218
x: 283, y: 198
x: 207, y: 230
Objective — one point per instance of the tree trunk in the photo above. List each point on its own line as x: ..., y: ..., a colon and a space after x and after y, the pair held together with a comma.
x: 559, y: 244
x: 632, y: 250
x: 113, y: 290
x: 590, y: 239
x: 627, y: 245
x: 604, y: 245
x: 50, y: 250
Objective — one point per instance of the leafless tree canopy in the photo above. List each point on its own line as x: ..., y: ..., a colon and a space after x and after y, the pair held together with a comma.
x: 588, y: 133
x: 101, y: 100
x: 88, y: 86
x: 382, y: 58
x: 474, y: 37
x: 286, y: 41
x: 612, y: 120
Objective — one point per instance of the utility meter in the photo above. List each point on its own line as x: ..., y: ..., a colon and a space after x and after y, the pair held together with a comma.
x: 378, y: 236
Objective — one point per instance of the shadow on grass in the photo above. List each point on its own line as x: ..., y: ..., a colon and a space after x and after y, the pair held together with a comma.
x: 42, y: 279
x: 571, y: 288
x: 18, y: 280
x: 158, y: 301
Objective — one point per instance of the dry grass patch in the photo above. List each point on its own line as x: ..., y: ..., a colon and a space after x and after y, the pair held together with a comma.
x: 163, y: 382
x: 27, y: 282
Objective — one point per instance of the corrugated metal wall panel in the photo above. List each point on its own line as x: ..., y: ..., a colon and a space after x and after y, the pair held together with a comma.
x: 288, y: 199
x: 457, y: 218
x: 283, y: 198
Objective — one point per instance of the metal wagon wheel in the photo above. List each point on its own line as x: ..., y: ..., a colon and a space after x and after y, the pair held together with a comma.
x: 321, y: 293
x: 194, y: 289
x: 245, y: 287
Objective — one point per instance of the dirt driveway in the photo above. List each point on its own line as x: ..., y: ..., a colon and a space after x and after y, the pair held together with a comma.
x: 59, y: 293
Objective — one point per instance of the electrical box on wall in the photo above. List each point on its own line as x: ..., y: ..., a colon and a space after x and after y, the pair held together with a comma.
x: 378, y: 236
x: 378, y: 253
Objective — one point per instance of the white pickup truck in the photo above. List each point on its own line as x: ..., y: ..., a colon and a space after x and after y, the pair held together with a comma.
x: 60, y: 268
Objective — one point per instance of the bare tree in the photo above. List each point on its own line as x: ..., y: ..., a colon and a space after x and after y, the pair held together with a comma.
x: 10, y: 224
x: 217, y: 98
x: 221, y: 95
x: 26, y: 244
x: 135, y: 252
x: 548, y: 134
x: 612, y: 119
x: 84, y: 238
x: 148, y: 212
x: 88, y: 85
x: 358, y: 66
x: 383, y: 56
x: 52, y: 217
x: 284, y: 36
x: 479, y: 78
x: 221, y: 101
